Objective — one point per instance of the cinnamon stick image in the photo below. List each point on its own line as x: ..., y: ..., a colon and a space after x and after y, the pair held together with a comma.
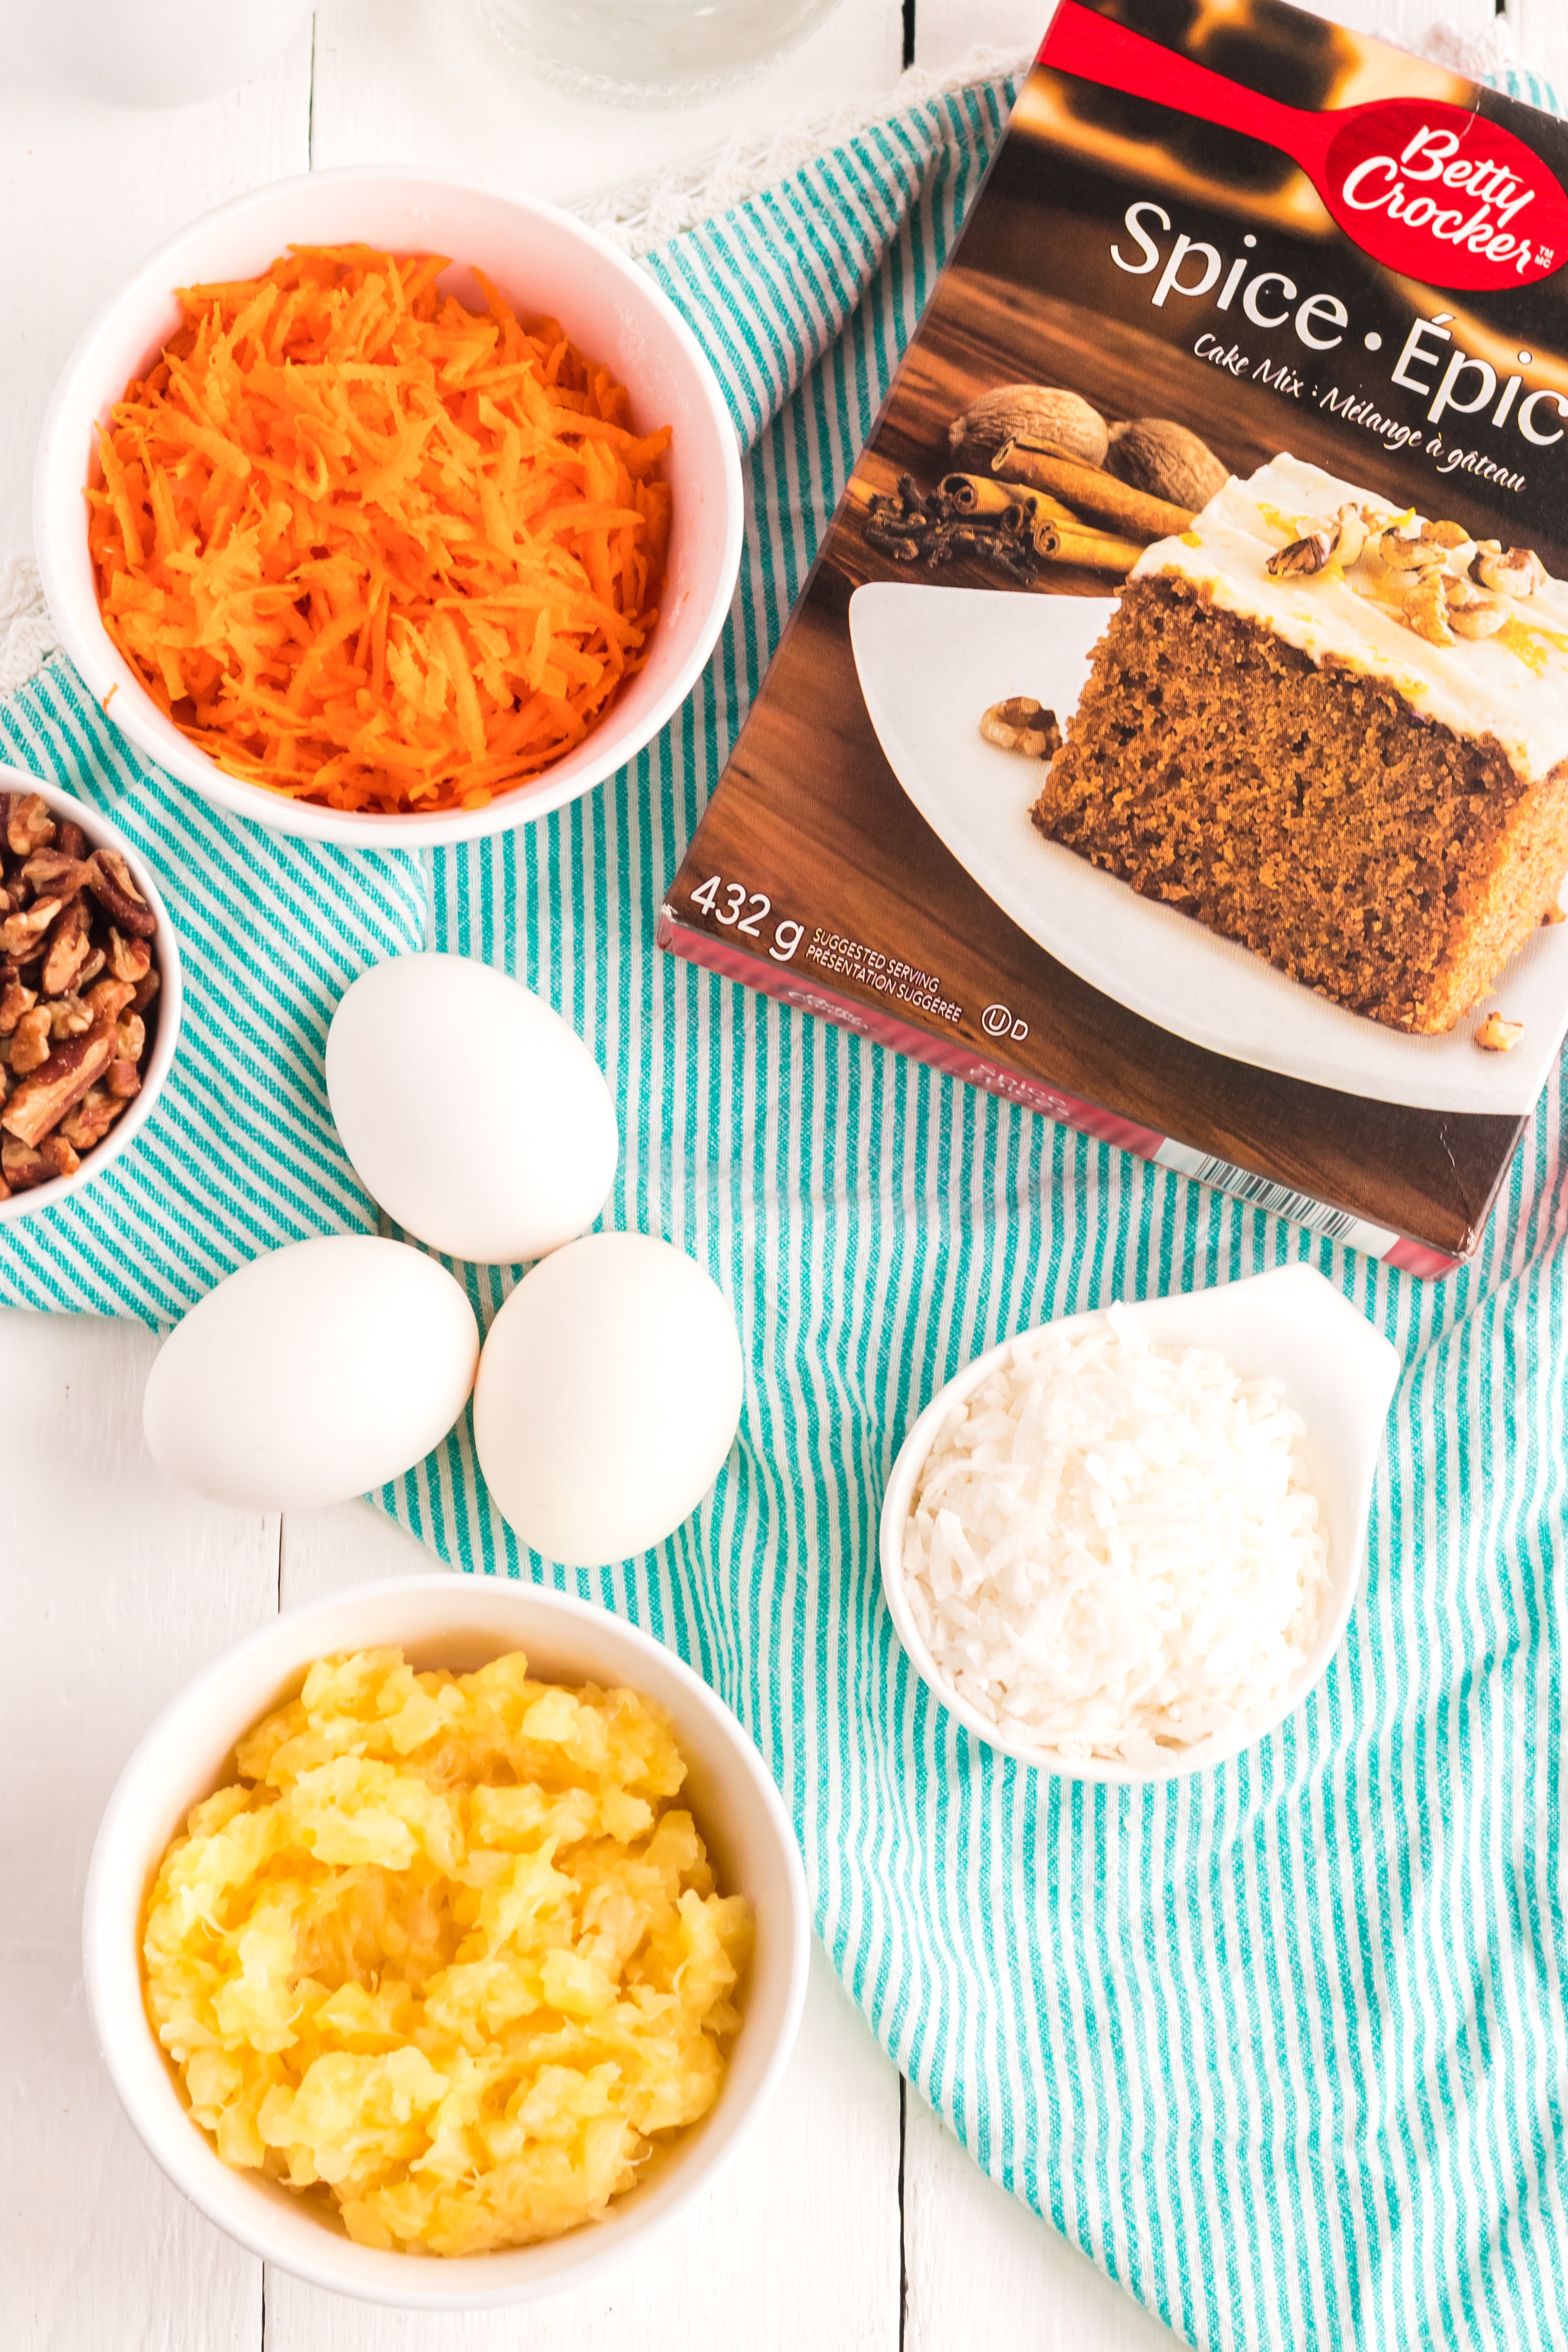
x: 1100, y: 498
x: 1098, y: 550
x: 975, y: 494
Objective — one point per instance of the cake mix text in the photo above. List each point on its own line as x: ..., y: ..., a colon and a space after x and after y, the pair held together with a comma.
x: 1450, y: 382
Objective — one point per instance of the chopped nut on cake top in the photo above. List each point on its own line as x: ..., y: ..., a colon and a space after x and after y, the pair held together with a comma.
x: 1443, y: 583
x: 1340, y: 539
x: 1511, y: 570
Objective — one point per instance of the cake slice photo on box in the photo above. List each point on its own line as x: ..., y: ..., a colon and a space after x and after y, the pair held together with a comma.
x: 1337, y: 733
x: 1320, y: 744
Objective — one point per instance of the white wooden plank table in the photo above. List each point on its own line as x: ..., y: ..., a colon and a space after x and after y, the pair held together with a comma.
x: 853, y: 2222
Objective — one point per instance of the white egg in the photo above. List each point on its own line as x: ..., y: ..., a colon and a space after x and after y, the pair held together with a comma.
x: 608, y: 1395
x: 472, y: 1113
x: 312, y: 1375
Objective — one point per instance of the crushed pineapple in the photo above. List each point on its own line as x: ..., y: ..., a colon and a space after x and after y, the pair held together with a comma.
x: 446, y: 1953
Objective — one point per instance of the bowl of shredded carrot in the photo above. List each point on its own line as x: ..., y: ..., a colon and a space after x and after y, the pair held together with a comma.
x: 385, y: 509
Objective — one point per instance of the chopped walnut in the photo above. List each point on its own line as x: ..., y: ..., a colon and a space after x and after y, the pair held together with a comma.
x: 1340, y: 539
x: 69, y: 1017
x: 30, y: 1042
x: 1472, y: 612
x: 15, y: 1000
x: 92, y: 1118
x: 28, y: 824
x: 128, y: 959
x: 1426, y: 610
x: 22, y: 935
x: 109, y: 880
x: 21, y: 1166
x: 1446, y: 584
x: 52, y: 871
x: 46, y: 1094
x: 1354, y: 529
x: 109, y: 998
x: 70, y: 946
x: 1021, y: 724
x: 1497, y: 1036
x: 1408, y: 560
x: 77, y: 977
x: 1510, y: 571
x: 58, y: 1155
x: 1308, y: 553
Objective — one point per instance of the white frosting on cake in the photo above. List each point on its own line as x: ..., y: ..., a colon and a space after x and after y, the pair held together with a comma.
x: 1476, y: 687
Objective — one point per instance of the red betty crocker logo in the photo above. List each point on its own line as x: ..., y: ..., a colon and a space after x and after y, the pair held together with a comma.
x: 1434, y: 190
x: 1445, y: 195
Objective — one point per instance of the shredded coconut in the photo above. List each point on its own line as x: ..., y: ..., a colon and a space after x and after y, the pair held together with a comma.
x: 1114, y: 1549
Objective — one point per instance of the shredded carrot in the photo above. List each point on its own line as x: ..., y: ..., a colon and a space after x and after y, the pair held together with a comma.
x: 370, y: 548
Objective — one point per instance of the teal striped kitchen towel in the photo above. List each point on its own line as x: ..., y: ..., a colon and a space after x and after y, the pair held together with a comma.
x: 1284, y: 2047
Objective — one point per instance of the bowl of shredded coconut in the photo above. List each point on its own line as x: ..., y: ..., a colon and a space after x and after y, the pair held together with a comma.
x: 1126, y: 1546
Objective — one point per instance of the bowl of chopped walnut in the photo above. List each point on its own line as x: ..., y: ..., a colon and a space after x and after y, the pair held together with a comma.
x: 89, y: 994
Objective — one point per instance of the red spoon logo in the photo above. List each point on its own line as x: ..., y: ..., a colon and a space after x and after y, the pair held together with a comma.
x: 1434, y: 190
x: 1445, y: 195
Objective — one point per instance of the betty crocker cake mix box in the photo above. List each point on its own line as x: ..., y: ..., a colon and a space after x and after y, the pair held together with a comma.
x: 1172, y: 735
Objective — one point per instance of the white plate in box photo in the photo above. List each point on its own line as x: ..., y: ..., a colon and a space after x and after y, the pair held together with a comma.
x: 930, y: 660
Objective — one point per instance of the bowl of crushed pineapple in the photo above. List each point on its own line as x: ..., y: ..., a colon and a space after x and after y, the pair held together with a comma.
x: 444, y: 1938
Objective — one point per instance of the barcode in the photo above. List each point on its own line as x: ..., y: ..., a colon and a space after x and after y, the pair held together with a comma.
x: 1261, y: 1192
x: 1279, y: 1199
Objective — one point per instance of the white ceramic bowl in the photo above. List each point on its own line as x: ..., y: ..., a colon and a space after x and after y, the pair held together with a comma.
x: 544, y: 262
x: 441, y: 1618
x: 165, y: 1010
x: 1337, y: 1372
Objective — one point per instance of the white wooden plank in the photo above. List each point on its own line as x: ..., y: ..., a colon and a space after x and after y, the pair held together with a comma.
x: 948, y: 31
x: 1403, y: 22
x: 89, y: 192
x: 796, y: 2245
x: 349, y: 1544
x: 432, y: 84
x: 1540, y: 36
x: 985, y: 2275
x: 117, y: 1589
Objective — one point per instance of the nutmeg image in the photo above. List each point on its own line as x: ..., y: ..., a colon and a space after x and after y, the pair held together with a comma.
x: 1152, y: 454
x: 1057, y: 420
